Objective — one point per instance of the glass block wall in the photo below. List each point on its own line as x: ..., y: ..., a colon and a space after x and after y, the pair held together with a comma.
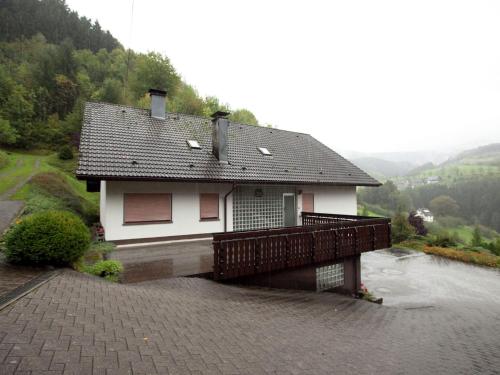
x: 329, y: 277
x: 258, y: 209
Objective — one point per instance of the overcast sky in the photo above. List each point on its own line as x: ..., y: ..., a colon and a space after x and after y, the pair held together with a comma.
x: 358, y: 75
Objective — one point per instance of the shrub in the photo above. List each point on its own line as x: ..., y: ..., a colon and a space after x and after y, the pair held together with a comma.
x: 417, y: 223
x: 465, y: 256
x: 98, y: 251
x: 4, y: 159
x: 103, y: 247
x: 450, y: 221
x: 401, y: 229
x: 443, y: 239
x: 109, y: 269
x: 54, y: 185
x: 494, y: 246
x: 476, y: 237
x: 65, y: 153
x: 49, y: 237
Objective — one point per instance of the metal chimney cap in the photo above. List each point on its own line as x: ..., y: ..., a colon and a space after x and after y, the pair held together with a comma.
x: 219, y: 114
x: 157, y: 92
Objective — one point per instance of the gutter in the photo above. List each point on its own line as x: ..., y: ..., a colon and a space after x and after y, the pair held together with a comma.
x: 225, y: 206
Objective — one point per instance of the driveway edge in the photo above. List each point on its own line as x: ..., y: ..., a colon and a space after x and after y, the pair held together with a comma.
x: 21, y: 291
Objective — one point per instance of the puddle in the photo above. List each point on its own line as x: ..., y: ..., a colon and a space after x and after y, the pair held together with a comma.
x: 390, y: 271
x: 400, y: 252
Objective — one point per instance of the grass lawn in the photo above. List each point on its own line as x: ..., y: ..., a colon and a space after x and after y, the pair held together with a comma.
x: 18, y: 168
x: 21, y: 165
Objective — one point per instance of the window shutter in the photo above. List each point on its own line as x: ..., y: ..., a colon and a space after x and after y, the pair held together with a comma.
x: 139, y: 208
x: 307, y: 202
x: 209, y: 206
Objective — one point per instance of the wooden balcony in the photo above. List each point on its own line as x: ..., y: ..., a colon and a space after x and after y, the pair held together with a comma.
x: 322, y: 239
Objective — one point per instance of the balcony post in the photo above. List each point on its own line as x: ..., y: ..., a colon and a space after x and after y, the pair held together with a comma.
x: 352, y: 274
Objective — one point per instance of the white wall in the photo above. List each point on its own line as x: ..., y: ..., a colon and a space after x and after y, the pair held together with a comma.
x: 185, y: 209
x: 102, y: 203
x: 330, y: 199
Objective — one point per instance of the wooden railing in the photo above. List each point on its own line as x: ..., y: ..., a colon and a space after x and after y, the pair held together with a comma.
x: 313, y: 218
x: 246, y: 253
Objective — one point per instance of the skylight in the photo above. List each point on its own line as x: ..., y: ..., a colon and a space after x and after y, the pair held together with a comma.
x: 193, y: 144
x: 264, y: 151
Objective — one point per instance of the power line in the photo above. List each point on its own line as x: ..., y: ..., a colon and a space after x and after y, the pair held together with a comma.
x: 125, y: 84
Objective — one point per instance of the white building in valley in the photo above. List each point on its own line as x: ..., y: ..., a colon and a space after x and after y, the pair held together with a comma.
x: 425, y: 214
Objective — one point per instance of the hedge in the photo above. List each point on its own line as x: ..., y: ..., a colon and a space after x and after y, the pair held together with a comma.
x: 48, y: 237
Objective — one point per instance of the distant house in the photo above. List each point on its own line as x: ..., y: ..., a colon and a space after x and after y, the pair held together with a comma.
x: 433, y: 180
x: 170, y: 176
x: 403, y: 184
x: 425, y: 214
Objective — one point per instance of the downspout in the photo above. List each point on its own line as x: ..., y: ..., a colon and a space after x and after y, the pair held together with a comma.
x: 225, y: 206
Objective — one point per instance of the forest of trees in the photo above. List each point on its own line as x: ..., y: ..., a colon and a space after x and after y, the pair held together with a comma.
x: 52, y: 61
x: 55, y: 21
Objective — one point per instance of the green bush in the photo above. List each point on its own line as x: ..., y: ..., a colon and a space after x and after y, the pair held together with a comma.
x: 443, y: 239
x: 450, y: 221
x: 49, y: 237
x: 54, y: 185
x: 109, y: 269
x: 98, y: 251
x: 103, y: 247
x: 401, y: 229
x: 65, y: 153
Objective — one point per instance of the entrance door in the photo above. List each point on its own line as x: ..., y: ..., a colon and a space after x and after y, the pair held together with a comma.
x: 289, y: 219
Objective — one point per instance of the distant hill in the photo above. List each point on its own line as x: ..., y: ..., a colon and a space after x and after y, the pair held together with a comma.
x: 53, y: 19
x: 471, y: 164
x: 415, y: 158
x: 381, y: 168
x: 484, y: 155
x: 420, y: 169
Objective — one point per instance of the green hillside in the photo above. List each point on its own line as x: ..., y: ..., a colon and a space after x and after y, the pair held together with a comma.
x: 43, y: 181
x: 382, y: 169
x: 482, y: 162
x: 52, y: 61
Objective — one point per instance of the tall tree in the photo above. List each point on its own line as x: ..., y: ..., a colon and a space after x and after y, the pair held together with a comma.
x: 444, y: 205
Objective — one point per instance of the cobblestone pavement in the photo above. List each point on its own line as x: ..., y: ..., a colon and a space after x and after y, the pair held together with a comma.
x: 79, y: 324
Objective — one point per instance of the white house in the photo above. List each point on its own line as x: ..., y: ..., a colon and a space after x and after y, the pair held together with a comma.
x: 165, y: 176
x: 425, y: 214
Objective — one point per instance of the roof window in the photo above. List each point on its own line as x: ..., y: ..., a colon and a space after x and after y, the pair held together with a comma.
x: 193, y: 144
x: 264, y: 151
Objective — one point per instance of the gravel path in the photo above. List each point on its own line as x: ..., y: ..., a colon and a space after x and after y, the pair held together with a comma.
x: 6, y: 195
x: 8, y: 211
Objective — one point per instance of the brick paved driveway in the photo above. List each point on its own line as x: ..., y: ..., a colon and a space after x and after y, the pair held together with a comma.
x: 77, y: 324
x: 12, y: 277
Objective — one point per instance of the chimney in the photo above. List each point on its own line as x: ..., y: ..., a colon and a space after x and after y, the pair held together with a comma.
x: 219, y: 136
x: 157, y: 103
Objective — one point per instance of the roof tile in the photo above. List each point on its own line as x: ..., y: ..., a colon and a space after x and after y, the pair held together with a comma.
x: 114, y: 136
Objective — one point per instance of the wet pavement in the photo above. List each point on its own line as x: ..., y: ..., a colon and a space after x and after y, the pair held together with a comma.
x: 439, y: 317
x: 14, y: 277
x: 412, y: 279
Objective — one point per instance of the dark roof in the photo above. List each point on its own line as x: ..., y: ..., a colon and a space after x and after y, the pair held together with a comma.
x: 120, y: 142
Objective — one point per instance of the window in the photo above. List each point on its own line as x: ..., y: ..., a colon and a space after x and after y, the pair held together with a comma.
x: 264, y: 151
x: 307, y: 202
x: 147, y: 208
x: 193, y: 144
x: 209, y: 206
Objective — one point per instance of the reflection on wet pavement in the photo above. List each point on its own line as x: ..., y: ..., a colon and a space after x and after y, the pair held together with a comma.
x: 408, y: 278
